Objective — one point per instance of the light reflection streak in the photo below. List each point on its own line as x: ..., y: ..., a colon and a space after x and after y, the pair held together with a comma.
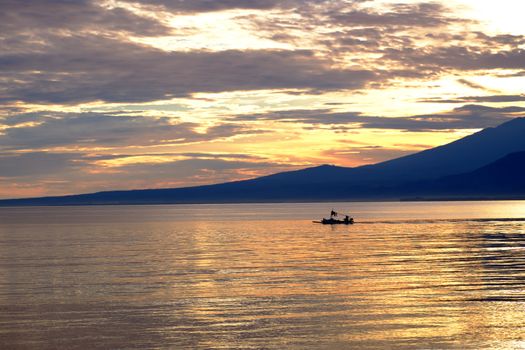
x: 234, y: 276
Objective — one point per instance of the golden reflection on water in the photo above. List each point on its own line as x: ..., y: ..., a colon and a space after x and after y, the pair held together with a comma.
x: 208, y: 277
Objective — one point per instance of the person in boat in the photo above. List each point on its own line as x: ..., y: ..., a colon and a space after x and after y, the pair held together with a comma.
x: 332, y: 214
x: 347, y: 219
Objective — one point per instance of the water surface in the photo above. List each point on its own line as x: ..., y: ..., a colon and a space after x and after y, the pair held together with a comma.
x: 443, y: 275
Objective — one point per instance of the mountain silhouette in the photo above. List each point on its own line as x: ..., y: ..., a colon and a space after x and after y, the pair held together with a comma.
x: 488, y: 162
x: 463, y: 155
x: 503, y: 177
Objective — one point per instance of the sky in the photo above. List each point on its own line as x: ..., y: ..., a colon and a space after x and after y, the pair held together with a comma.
x: 127, y: 94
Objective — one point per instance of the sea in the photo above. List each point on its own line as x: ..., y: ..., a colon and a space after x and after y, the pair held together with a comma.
x: 406, y: 275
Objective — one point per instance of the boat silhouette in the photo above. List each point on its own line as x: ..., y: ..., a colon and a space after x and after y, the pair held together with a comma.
x: 333, y: 221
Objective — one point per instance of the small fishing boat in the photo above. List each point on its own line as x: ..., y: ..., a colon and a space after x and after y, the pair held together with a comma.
x: 333, y: 221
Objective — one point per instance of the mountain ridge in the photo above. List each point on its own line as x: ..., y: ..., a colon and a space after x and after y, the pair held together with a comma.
x: 423, y: 173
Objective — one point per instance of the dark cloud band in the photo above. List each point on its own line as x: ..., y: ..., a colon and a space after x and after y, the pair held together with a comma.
x: 465, y: 117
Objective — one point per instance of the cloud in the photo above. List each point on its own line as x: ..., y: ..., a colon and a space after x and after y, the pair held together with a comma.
x: 80, y: 69
x: 47, y: 130
x: 69, y: 61
x: 204, y: 155
x: 466, y: 58
x: 465, y: 117
x: 171, y: 156
x: 365, y: 154
x: 51, y: 173
x: 471, y: 84
x: 41, y: 18
x: 501, y: 39
x: 351, y: 17
x: 69, y: 52
x: 402, y: 15
x: 198, y: 170
x: 347, y: 30
x: 200, y: 6
x: 32, y: 174
x: 412, y: 41
x: 516, y: 74
x: 477, y: 99
x: 212, y: 5
x: 35, y: 164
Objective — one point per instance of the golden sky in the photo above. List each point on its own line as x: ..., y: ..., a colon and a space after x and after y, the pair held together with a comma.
x: 99, y: 95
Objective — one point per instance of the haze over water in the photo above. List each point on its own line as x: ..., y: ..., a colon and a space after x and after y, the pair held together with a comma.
x: 406, y: 275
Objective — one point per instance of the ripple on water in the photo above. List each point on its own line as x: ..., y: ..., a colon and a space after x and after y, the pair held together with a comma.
x: 169, y: 282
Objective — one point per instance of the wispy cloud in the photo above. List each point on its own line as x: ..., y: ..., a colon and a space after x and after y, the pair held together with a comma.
x: 35, y: 164
x: 84, y: 58
x: 477, y: 99
x: 48, y: 130
x: 126, y: 72
x: 23, y: 22
x: 54, y: 172
x: 465, y: 117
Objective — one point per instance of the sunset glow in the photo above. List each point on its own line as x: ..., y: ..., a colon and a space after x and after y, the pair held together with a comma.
x: 99, y: 95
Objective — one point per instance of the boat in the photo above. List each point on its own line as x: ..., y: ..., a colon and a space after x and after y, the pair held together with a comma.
x: 333, y: 221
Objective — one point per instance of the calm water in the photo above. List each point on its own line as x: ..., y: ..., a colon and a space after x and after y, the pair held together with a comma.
x: 406, y: 276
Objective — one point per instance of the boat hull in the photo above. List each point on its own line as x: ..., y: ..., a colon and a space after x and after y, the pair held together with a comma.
x: 335, y: 222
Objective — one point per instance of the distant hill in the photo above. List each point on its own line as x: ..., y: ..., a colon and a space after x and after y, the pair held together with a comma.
x: 504, y: 177
x: 463, y: 155
x: 488, y: 162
